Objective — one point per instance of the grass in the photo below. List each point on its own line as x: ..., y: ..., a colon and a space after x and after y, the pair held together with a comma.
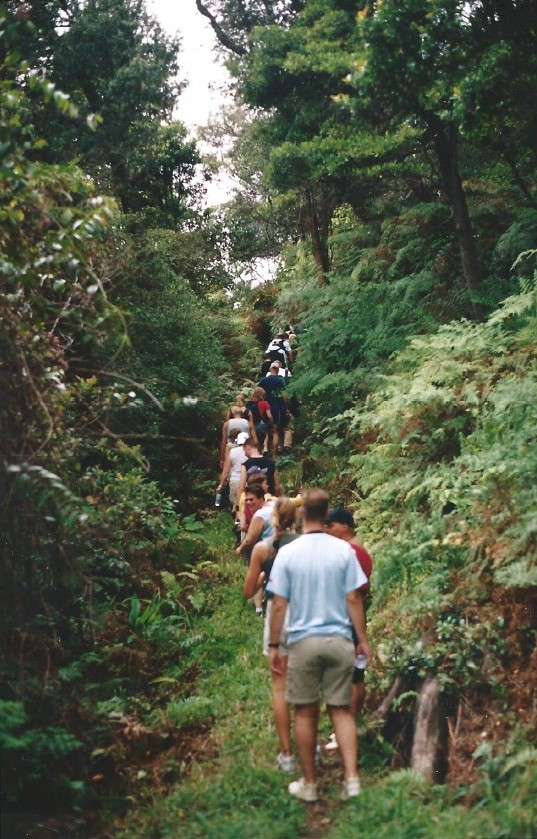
x: 239, y: 793
x: 235, y: 792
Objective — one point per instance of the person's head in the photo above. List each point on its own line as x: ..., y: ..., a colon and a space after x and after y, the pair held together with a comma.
x: 241, y: 437
x: 236, y: 411
x: 258, y: 393
x: 259, y: 479
x: 249, y: 446
x: 239, y: 399
x: 275, y: 368
x: 233, y: 434
x: 254, y: 497
x: 281, y: 335
x: 340, y: 522
x: 314, y: 505
x: 284, y: 515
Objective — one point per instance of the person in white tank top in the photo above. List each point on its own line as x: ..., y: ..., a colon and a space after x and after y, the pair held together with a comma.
x: 231, y: 471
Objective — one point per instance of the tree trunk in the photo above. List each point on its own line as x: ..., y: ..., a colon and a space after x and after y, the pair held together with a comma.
x: 430, y: 734
x: 320, y: 250
x: 446, y: 144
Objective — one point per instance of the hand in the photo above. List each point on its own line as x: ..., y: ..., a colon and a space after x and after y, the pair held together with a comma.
x: 363, y: 648
x: 276, y: 663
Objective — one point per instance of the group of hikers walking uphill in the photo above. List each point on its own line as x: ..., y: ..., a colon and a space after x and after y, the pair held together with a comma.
x: 308, y: 581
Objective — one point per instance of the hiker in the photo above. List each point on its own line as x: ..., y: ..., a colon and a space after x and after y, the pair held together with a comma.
x: 276, y: 350
x: 262, y: 558
x: 340, y: 523
x: 255, y: 458
x: 231, y: 470
x: 259, y: 408
x: 274, y: 386
x: 260, y: 526
x: 236, y: 421
x: 241, y: 402
x: 255, y: 476
x: 318, y: 578
x: 288, y: 349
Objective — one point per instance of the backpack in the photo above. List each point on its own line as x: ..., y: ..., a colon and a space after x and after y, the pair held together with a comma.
x: 255, y: 412
x: 276, y: 351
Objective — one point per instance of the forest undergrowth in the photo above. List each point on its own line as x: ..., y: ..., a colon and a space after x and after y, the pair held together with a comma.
x: 231, y: 787
x: 135, y: 698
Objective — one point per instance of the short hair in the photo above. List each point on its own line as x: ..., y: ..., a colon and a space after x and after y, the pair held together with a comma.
x: 249, y: 442
x: 254, y: 489
x: 315, y: 505
x: 275, y: 364
x: 284, y: 515
x: 341, y: 515
x: 236, y: 409
x: 258, y: 393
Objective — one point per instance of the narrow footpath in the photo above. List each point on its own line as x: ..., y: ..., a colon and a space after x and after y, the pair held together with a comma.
x: 230, y: 787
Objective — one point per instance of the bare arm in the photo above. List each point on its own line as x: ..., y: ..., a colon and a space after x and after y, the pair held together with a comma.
x: 226, y: 469
x: 259, y: 555
x: 242, y: 482
x: 252, y: 535
x: 355, y: 607
x: 277, y: 617
x: 253, y: 432
x: 223, y: 443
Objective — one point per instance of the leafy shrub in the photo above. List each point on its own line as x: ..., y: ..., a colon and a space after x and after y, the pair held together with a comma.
x: 34, y: 756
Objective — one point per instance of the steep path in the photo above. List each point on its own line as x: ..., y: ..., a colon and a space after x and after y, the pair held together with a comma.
x: 230, y: 786
x: 227, y: 785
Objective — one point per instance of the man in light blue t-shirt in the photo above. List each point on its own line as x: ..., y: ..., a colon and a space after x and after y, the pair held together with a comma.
x: 318, y: 577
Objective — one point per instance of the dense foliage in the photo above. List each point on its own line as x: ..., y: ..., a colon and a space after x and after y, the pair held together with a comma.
x: 112, y: 366
x: 386, y: 160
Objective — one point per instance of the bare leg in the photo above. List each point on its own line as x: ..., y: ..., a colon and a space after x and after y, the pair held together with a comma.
x: 281, y: 710
x: 269, y: 442
x: 306, y: 717
x: 357, y: 698
x: 347, y: 738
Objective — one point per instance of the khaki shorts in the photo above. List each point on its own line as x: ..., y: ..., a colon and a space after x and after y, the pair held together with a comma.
x: 320, y: 667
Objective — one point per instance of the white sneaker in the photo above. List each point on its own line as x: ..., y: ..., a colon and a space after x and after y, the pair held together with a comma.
x: 300, y: 789
x: 332, y: 744
x: 351, y: 788
x: 286, y: 762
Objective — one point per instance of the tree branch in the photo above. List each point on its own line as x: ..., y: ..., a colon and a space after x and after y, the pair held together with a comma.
x: 222, y: 36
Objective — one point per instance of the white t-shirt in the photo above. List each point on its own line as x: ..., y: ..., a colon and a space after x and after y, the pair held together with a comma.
x: 237, y: 458
x: 315, y: 573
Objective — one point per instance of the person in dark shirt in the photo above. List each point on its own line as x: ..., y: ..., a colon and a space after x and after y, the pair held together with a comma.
x: 255, y: 458
x: 274, y: 387
x: 340, y: 523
